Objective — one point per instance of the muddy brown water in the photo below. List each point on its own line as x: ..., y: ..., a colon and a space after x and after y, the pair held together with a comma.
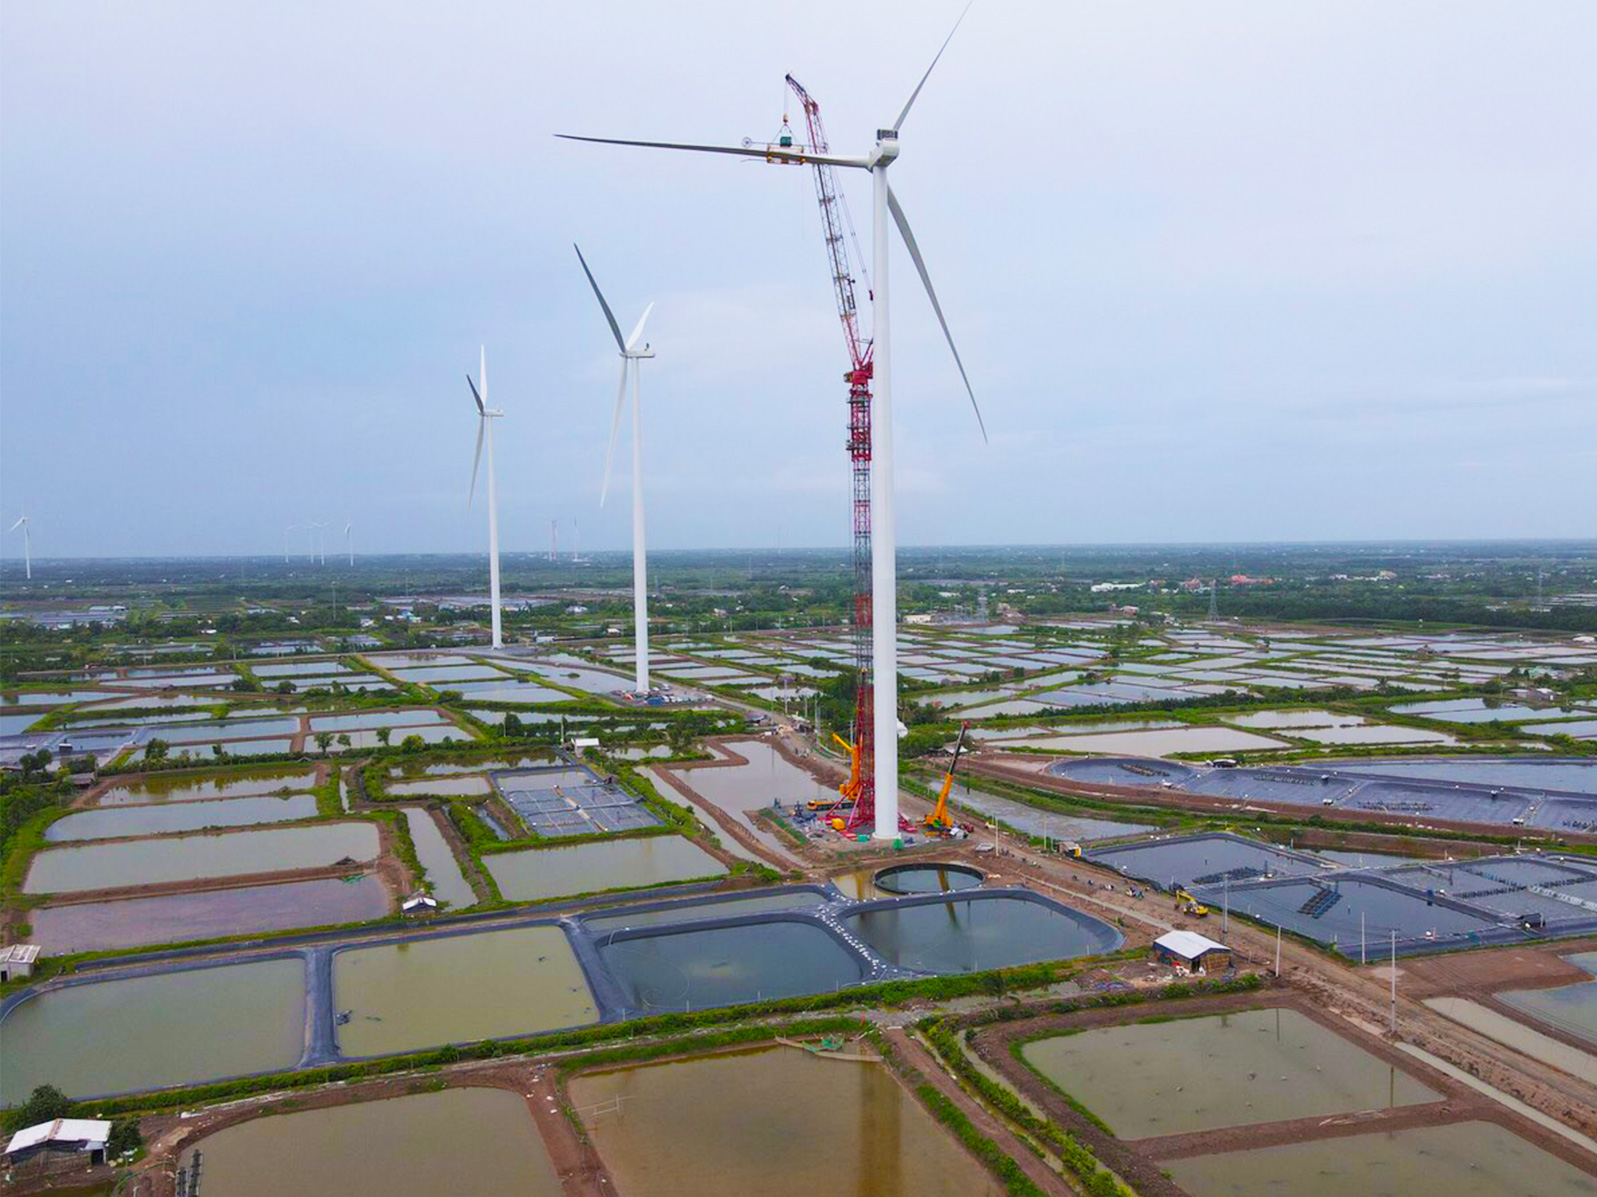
x: 443, y: 870
x: 173, y: 918
x: 1465, y: 1159
x: 461, y: 1141
x: 140, y: 1033
x: 778, y: 1122
x: 191, y: 857
x: 1194, y: 1074
x: 486, y: 985
x: 539, y: 873
x: 171, y: 818
x: 207, y: 785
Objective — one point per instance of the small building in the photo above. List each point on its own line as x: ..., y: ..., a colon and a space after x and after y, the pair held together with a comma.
x: 18, y: 961
x: 65, y: 1135
x: 1193, y: 952
x: 419, y: 904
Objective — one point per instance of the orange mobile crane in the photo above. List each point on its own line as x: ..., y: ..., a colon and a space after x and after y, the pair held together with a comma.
x: 938, y: 822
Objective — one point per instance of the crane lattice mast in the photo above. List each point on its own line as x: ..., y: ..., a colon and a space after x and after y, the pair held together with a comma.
x: 834, y: 222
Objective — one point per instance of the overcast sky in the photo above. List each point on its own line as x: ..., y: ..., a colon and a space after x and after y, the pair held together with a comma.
x: 1219, y: 271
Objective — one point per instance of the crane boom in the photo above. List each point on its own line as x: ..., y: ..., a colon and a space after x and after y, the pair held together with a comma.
x: 834, y: 222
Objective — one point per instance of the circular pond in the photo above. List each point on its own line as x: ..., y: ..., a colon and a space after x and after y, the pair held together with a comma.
x: 927, y: 878
x: 977, y: 932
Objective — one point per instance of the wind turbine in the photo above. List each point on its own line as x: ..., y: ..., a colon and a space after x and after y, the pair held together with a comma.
x: 349, y: 543
x: 631, y: 359
x: 27, y: 543
x: 485, y: 417
x: 884, y: 581
x: 287, y: 528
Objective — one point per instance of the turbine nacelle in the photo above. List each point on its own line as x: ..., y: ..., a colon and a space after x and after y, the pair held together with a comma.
x: 886, y: 149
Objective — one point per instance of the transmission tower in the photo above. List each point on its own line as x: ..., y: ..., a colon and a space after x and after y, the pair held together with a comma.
x: 1214, y: 599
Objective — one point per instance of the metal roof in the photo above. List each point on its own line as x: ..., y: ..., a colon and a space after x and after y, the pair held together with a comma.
x: 1189, y: 945
x: 19, y: 953
x: 91, y: 1132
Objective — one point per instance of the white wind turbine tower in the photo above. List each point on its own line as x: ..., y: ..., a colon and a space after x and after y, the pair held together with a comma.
x: 884, y: 581
x: 27, y: 544
x: 485, y: 417
x: 287, y: 528
x: 631, y: 359
x: 349, y: 543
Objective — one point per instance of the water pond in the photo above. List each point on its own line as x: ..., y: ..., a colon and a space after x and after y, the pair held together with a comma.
x: 456, y: 1141
x: 686, y: 912
x: 468, y: 786
x: 174, y: 918
x: 537, y: 874
x: 969, y: 935
x: 725, y: 966
x: 782, y: 1124
x: 1032, y: 820
x: 153, y: 1032
x: 1570, y: 1008
x: 1461, y: 1159
x: 192, y: 857
x: 168, y: 818
x: 1194, y: 1074
x: 1164, y: 742
x: 458, y: 988
x: 443, y: 870
x: 184, y: 787
x: 414, y: 717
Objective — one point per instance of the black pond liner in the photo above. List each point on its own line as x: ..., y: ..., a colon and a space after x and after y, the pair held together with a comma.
x: 927, y: 878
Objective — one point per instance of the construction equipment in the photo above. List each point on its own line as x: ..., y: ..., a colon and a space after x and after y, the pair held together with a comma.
x: 1071, y: 849
x: 938, y: 822
x: 1187, y: 904
x: 839, y: 231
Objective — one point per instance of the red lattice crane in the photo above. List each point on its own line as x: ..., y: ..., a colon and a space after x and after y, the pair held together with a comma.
x: 835, y: 223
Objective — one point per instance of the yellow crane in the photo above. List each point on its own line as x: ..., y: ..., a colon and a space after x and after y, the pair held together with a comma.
x: 849, y: 790
x: 938, y: 822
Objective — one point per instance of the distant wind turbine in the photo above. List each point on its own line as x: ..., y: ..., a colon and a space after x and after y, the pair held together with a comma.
x: 27, y: 544
x: 287, y: 528
x: 631, y: 359
x: 349, y: 543
x: 485, y: 417
x: 886, y: 213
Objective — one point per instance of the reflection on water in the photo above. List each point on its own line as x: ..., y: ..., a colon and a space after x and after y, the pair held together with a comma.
x: 443, y: 870
x: 777, y: 1122
x: 153, y: 1032
x: 208, y: 785
x: 967, y: 935
x: 722, y: 966
x: 190, y: 857
x: 1196, y: 1074
x: 461, y: 1141
x: 1465, y: 1159
x: 537, y: 873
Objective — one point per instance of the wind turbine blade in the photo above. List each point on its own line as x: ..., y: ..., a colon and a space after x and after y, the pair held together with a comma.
x: 914, y: 95
x: 608, y: 314
x: 18, y: 524
x: 480, y: 406
x: 638, y: 332
x: 785, y: 156
x: 476, y: 460
x: 615, y: 431
x: 926, y: 281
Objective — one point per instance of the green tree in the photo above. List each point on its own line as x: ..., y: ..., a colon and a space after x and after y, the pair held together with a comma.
x: 384, y: 735
x: 45, y: 1104
x: 125, y: 1137
x: 323, y: 739
x: 156, y: 749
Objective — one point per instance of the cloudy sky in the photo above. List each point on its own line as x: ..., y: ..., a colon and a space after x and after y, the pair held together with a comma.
x: 1220, y: 271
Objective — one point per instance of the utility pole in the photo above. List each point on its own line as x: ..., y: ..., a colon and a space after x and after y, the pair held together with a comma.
x: 1278, y: 949
x: 1394, y: 984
